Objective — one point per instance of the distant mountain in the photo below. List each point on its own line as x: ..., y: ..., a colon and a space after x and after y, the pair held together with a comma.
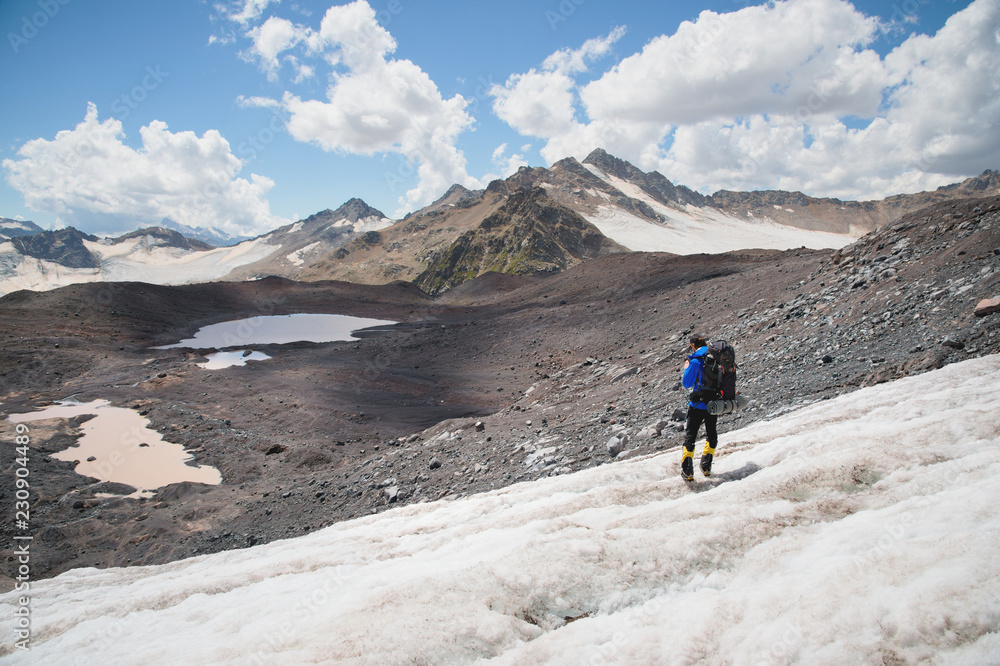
x: 212, y: 236
x: 311, y: 240
x: 50, y: 259
x: 850, y: 217
x: 528, y: 234
x: 11, y: 228
x: 64, y: 247
x: 457, y: 195
x: 161, y: 237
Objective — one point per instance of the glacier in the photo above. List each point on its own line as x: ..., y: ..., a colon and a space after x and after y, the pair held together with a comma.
x: 863, y: 529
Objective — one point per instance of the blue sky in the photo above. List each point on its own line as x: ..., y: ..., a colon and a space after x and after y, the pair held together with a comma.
x: 248, y: 114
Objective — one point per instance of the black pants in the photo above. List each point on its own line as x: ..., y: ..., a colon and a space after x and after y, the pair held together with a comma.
x: 695, y: 418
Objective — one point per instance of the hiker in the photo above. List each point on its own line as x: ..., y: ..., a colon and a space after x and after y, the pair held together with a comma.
x: 695, y: 378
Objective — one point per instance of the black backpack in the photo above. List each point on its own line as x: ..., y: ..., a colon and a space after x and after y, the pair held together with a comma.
x: 718, y: 373
x: 723, y: 358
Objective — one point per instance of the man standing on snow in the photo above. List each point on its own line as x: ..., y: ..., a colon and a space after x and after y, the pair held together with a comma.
x: 697, y: 376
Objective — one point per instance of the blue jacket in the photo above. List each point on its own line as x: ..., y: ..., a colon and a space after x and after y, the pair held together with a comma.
x: 692, y: 378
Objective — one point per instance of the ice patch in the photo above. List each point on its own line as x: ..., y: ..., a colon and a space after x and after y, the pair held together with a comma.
x: 228, y: 359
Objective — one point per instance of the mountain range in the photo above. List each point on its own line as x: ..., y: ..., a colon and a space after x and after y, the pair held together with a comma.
x: 536, y: 220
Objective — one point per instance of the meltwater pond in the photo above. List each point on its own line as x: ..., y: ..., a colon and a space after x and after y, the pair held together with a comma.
x: 279, y: 329
x: 117, y: 445
x: 227, y: 359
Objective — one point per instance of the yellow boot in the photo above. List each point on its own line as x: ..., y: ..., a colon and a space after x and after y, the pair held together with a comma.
x: 687, y: 464
x: 706, y: 459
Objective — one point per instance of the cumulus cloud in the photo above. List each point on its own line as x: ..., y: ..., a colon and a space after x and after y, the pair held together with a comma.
x: 374, y: 103
x: 787, y: 94
x: 89, y: 178
x: 270, y: 40
x: 543, y: 102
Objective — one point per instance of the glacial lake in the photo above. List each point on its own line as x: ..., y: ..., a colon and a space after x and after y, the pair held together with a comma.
x: 117, y: 445
x: 278, y: 329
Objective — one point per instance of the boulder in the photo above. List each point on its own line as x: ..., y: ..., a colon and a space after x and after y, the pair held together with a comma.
x: 617, y: 444
x: 654, y: 429
x: 988, y: 306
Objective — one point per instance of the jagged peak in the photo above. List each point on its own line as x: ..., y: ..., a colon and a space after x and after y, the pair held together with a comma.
x: 597, y: 155
x: 611, y: 164
x: 355, y: 209
x: 455, y: 189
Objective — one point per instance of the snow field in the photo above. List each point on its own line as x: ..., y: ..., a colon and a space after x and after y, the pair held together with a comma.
x: 858, y: 530
x: 127, y: 261
x: 697, y: 230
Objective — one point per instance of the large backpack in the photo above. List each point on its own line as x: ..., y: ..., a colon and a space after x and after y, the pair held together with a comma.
x: 719, y: 370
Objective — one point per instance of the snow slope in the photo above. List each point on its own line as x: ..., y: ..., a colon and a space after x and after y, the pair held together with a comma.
x: 695, y: 230
x: 859, y: 530
x: 129, y: 261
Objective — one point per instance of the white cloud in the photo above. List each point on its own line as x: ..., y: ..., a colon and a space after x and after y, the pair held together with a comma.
x: 570, y: 61
x: 543, y: 103
x: 245, y: 11
x: 759, y: 59
x: 769, y: 96
x: 270, y: 40
x: 89, y: 178
x: 538, y: 104
x: 507, y: 164
x: 374, y: 103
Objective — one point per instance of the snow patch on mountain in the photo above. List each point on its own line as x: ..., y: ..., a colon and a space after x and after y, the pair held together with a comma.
x: 693, y: 229
x: 372, y: 223
x: 860, y: 528
x: 20, y: 272
x: 130, y: 260
x: 704, y: 230
x: 296, y: 257
x: 689, y: 229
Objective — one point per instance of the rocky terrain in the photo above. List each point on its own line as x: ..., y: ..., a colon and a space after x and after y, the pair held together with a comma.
x: 499, y: 380
x: 64, y: 247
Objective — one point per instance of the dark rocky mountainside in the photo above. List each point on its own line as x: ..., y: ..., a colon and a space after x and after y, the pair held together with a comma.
x: 10, y: 228
x: 351, y: 210
x: 64, y: 247
x: 529, y: 234
x: 500, y: 380
x: 457, y: 195
x: 653, y: 183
